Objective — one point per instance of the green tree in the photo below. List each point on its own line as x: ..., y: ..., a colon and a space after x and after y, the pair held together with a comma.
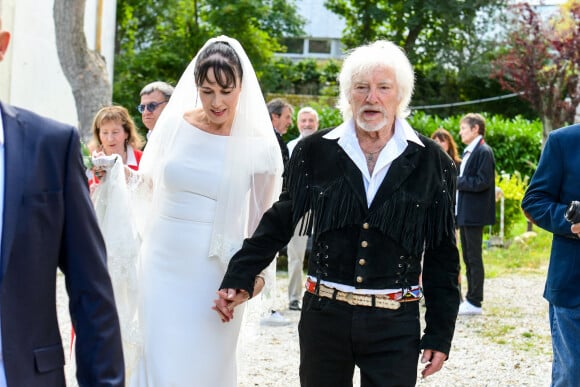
x: 423, y: 28
x: 542, y: 61
x: 156, y: 39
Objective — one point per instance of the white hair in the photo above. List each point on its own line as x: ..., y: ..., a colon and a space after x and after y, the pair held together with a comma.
x: 307, y: 109
x: 363, y: 59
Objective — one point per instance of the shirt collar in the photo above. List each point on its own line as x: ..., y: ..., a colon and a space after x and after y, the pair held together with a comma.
x: 473, y: 144
x: 403, y: 131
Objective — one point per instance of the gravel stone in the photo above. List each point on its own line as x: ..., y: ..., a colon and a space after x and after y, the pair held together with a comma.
x: 509, y: 345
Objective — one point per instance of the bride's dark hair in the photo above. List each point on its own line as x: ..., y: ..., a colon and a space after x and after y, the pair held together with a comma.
x: 223, y: 60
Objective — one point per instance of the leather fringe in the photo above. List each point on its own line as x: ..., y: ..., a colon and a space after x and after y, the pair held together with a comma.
x: 414, y: 224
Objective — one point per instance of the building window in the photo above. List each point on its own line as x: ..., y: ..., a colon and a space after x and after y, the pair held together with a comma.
x: 294, y: 45
x: 319, y: 46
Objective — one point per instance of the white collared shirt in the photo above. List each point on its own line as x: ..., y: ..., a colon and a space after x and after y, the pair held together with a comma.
x: 292, y: 144
x: 2, y: 184
x: 467, y: 152
x: 347, y: 140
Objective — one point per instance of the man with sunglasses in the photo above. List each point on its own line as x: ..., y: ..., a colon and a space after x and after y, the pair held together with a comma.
x: 154, y: 97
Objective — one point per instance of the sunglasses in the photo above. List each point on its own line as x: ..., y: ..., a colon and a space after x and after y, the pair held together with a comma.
x: 150, y: 106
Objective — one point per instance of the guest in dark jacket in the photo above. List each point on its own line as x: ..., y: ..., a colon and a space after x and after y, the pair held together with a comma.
x: 554, y: 185
x: 48, y: 224
x: 475, y: 206
x: 376, y: 196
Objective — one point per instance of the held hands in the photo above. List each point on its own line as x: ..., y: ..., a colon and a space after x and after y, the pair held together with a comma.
x: 228, y: 299
x: 434, y: 360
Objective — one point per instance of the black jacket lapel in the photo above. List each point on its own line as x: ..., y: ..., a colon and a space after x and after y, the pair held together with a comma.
x: 399, y: 171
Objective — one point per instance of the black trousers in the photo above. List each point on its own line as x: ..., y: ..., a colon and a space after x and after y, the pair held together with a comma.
x: 471, y: 241
x: 336, y: 336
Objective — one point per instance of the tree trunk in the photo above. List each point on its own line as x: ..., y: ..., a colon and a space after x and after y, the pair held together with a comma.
x: 84, y: 69
x: 547, y: 127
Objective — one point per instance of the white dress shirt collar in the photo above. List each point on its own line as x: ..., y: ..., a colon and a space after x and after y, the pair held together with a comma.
x: 347, y: 140
x: 472, y: 144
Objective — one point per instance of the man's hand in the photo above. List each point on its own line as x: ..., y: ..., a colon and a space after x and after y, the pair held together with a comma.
x: 228, y: 299
x: 434, y: 360
x: 576, y: 229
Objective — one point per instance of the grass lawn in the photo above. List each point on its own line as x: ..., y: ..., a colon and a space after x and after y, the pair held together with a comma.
x: 521, y: 255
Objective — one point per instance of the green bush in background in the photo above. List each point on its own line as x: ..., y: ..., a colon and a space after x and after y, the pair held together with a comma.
x: 513, y: 187
x: 516, y: 142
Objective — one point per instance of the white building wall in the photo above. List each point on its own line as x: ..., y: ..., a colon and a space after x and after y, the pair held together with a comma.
x: 320, y: 24
x: 30, y: 75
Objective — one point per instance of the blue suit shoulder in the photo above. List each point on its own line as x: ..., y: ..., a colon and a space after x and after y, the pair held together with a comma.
x: 572, y: 131
x: 38, y: 122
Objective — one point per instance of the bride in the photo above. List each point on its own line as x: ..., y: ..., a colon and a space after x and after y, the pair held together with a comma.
x: 208, y: 173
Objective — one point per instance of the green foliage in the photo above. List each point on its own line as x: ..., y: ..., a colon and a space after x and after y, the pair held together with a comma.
x: 441, y: 86
x: 522, y: 256
x: 156, y: 39
x: 424, y: 29
x: 276, y: 78
x: 516, y: 142
x: 328, y: 117
x: 513, y: 187
x: 308, y: 77
x: 86, y: 153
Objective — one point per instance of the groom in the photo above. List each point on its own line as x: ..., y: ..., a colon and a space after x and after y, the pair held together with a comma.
x: 46, y: 223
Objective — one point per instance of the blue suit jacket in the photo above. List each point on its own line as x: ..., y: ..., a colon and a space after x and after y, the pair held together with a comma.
x: 555, y: 183
x: 49, y: 223
x: 476, y: 188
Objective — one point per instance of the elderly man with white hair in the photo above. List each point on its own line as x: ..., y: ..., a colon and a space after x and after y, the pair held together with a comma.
x: 307, y: 120
x: 377, y: 197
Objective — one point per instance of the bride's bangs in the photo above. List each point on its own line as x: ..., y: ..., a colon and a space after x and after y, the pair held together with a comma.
x: 225, y: 63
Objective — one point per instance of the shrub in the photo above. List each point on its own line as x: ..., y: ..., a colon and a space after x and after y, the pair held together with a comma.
x: 513, y: 187
x: 516, y: 142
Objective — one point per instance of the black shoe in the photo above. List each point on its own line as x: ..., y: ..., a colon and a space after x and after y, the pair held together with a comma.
x: 295, y: 305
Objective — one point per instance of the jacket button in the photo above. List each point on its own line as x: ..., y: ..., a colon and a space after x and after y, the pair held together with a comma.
x: 362, y: 262
x: 366, y: 226
x: 359, y: 279
x: 364, y: 243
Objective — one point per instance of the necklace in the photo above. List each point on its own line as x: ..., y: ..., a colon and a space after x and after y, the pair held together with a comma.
x: 370, y: 156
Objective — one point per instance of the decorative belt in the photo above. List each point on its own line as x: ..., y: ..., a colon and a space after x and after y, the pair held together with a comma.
x: 385, y: 301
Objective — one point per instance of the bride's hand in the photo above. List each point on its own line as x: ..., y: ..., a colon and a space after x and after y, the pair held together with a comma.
x: 227, y: 300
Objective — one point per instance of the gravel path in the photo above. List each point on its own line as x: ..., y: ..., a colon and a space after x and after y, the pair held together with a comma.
x: 508, y: 346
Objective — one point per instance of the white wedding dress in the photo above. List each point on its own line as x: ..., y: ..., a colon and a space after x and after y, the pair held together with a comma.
x: 185, y: 343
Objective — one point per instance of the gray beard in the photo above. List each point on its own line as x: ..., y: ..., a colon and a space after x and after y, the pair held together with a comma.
x: 371, y: 127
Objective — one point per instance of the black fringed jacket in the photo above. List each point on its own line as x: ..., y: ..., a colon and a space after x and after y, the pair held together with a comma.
x: 372, y: 248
